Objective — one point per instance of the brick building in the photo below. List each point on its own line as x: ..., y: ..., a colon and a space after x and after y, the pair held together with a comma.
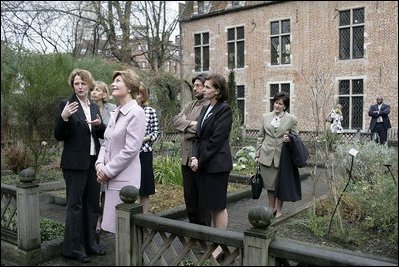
x: 321, y: 52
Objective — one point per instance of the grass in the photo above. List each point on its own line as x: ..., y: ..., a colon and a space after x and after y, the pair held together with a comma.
x: 44, y: 177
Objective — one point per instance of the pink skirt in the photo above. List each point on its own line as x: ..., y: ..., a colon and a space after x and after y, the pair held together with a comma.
x: 109, y: 216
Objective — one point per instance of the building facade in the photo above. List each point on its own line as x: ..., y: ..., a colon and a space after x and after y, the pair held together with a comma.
x: 320, y: 52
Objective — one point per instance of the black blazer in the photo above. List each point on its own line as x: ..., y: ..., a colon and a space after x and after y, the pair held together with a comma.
x: 211, y: 146
x: 75, y: 134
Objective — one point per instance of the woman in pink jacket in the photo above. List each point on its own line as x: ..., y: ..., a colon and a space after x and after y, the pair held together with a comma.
x: 118, y: 162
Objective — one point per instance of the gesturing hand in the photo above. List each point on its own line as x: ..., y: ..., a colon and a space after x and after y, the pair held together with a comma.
x: 69, y: 110
x: 95, y: 122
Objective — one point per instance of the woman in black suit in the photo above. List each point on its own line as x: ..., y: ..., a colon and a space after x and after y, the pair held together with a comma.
x: 211, y: 150
x: 79, y: 126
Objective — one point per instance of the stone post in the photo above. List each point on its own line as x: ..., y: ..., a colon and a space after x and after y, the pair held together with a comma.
x: 28, y: 212
x: 129, y: 238
x: 258, y: 238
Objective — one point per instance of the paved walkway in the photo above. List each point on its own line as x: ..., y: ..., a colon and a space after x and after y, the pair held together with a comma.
x: 237, y: 211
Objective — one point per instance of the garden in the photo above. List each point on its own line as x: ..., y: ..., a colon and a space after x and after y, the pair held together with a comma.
x: 365, y: 219
x: 360, y: 213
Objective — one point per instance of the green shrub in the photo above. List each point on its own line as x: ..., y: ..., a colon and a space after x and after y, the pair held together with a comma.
x: 368, y: 163
x: 167, y: 170
x: 316, y: 224
x: 370, y: 201
x: 244, y: 160
x: 375, y: 203
x: 50, y: 229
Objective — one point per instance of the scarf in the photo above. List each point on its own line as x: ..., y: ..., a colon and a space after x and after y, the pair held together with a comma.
x: 276, y: 120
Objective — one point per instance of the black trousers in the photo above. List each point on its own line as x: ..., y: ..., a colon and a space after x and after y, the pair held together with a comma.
x: 194, y: 213
x: 381, y: 131
x: 82, y: 211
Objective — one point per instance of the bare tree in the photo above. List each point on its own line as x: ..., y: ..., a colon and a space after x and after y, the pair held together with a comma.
x: 321, y: 85
x: 35, y: 26
x: 156, y: 31
x: 92, y: 27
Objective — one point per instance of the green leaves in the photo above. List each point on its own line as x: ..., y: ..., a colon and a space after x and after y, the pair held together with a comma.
x: 244, y: 160
x: 167, y: 170
x: 50, y: 229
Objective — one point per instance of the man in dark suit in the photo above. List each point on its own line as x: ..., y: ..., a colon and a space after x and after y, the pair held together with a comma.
x: 380, y: 122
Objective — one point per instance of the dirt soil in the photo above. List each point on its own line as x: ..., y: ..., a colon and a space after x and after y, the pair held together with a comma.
x: 370, y: 242
x: 171, y: 196
x: 166, y: 197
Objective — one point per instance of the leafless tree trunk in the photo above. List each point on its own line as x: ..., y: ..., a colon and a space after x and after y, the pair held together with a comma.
x: 320, y: 83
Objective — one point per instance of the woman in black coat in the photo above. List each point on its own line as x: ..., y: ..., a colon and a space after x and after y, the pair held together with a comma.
x: 79, y: 126
x: 211, y: 151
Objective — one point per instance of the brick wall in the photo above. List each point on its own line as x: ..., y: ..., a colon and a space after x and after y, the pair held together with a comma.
x: 314, y: 49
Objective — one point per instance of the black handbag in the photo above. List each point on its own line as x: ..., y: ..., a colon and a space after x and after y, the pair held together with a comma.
x: 256, y: 183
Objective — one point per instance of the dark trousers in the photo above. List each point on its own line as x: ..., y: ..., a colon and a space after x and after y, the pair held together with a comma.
x: 82, y: 211
x: 379, y: 128
x: 194, y: 213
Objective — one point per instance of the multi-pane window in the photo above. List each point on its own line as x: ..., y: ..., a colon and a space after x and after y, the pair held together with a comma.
x: 201, y: 51
x: 351, y: 33
x: 280, y: 40
x: 351, y: 98
x: 276, y: 88
x: 235, y: 47
x: 241, y: 101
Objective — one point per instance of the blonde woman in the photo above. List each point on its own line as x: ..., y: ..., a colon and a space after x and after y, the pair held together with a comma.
x: 118, y: 163
x: 336, y: 117
x: 100, y: 95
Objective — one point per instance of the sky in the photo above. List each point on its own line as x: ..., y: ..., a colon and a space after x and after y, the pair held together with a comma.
x: 173, y: 5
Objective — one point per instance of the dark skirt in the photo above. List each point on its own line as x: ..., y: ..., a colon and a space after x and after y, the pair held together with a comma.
x: 147, y: 184
x: 212, y: 191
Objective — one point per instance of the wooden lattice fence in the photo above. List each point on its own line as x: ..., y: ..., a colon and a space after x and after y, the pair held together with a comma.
x: 9, y: 228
